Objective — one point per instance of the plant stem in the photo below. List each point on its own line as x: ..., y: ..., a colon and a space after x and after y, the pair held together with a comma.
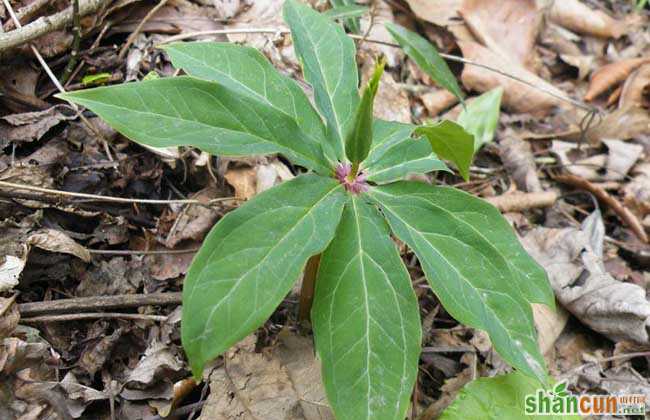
x: 308, y: 288
x: 74, y: 53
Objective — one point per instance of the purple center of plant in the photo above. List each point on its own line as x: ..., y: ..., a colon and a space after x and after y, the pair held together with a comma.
x: 354, y: 185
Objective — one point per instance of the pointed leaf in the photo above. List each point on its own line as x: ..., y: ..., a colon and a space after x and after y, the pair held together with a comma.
x: 250, y: 260
x: 359, y: 140
x: 426, y: 57
x: 246, y: 71
x: 366, y: 320
x: 328, y: 57
x: 183, y: 111
x: 481, y: 116
x: 450, y: 141
x: 394, y: 154
x: 473, y: 263
x: 501, y: 397
x: 348, y: 11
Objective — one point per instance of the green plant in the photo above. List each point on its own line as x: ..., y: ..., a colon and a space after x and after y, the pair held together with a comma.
x: 365, y: 313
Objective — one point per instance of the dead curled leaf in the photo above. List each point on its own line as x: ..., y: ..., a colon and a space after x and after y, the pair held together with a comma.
x: 636, y: 90
x: 517, y: 156
x: 611, y: 75
x: 573, y: 260
x: 578, y: 17
x: 56, y: 241
x: 636, y: 194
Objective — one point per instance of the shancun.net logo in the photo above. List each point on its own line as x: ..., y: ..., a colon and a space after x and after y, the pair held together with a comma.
x: 560, y: 401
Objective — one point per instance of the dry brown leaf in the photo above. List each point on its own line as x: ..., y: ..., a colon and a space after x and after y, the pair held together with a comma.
x: 636, y: 90
x: 623, y: 123
x: 516, y: 96
x: 29, y: 126
x: 636, y: 194
x: 621, y: 157
x: 507, y: 27
x: 9, y: 316
x: 578, y: 17
x: 254, y: 386
x: 440, y: 12
x: 10, y: 268
x: 194, y: 221
x: 56, y: 241
x: 247, y: 181
x: 549, y: 324
x: 154, y: 375
x: 391, y: 102
x: 382, y: 14
x: 519, y: 162
x: 611, y: 75
x: 437, y: 101
x: 573, y: 260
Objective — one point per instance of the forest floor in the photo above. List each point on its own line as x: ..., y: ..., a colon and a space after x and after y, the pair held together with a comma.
x: 569, y: 166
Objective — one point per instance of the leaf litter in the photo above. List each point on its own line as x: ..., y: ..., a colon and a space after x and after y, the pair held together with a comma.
x: 55, y: 246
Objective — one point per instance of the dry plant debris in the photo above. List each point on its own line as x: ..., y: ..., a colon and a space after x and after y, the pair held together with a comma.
x: 89, y: 284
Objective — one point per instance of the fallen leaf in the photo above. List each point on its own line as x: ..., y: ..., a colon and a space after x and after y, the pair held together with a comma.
x: 507, y: 27
x: 260, y: 385
x: 576, y: 16
x: 382, y: 14
x: 517, y: 156
x: 194, y: 221
x: 611, y: 75
x: 29, y: 126
x: 517, y: 96
x: 623, y: 123
x: 573, y: 260
x: 636, y: 90
x: 56, y: 241
x: 636, y: 194
x: 391, y: 102
x: 10, y: 269
x: 621, y: 157
x: 437, y: 101
x: 440, y: 12
x: 549, y: 324
x: 154, y: 375
x: 9, y: 316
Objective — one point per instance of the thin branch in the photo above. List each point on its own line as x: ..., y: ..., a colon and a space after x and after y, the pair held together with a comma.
x: 143, y: 252
x: 92, y: 315
x: 95, y: 303
x: 44, y: 25
x: 449, y: 57
x: 95, y: 197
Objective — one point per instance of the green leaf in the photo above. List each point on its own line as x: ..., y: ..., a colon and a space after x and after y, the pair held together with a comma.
x: 501, y: 397
x: 359, y: 139
x: 366, y: 320
x: 183, y: 111
x: 328, y: 56
x: 245, y: 70
x: 450, y: 141
x: 95, y: 79
x: 353, y: 22
x: 250, y: 260
x: 474, y: 263
x: 481, y: 116
x: 350, y: 11
x: 395, y: 155
x: 426, y: 57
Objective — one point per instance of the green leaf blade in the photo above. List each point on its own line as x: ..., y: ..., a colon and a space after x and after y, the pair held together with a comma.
x: 426, y: 57
x: 250, y: 260
x: 500, y: 397
x: 246, y: 71
x: 394, y: 154
x: 359, y: 140
x: 489, y: 292
x: 450, y: 141
x: 328, y: 58
x: 481, y: 116
x: 184, y: 111
x: 347, y: 10
x: 366, y: 320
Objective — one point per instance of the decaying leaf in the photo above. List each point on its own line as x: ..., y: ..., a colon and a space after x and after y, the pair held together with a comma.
x: 285, y: 384
x: 549, y: 325
x: 56, y: 241
x: 10, y: 269
x: 636, y: 90
x: 578, y: 17
x: 29, y: 126
x: 508, y: 28
x: 611, y: 75
x: 194, y: 221
x: 517, y: 157
x: 154, y: 375
x: 621, y: 157
x: 517, y: 96
x: 442, y: 13
x: 573, y: 260
x: 636, y: 194
x: 437, y: 101
x: 249, y: 181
